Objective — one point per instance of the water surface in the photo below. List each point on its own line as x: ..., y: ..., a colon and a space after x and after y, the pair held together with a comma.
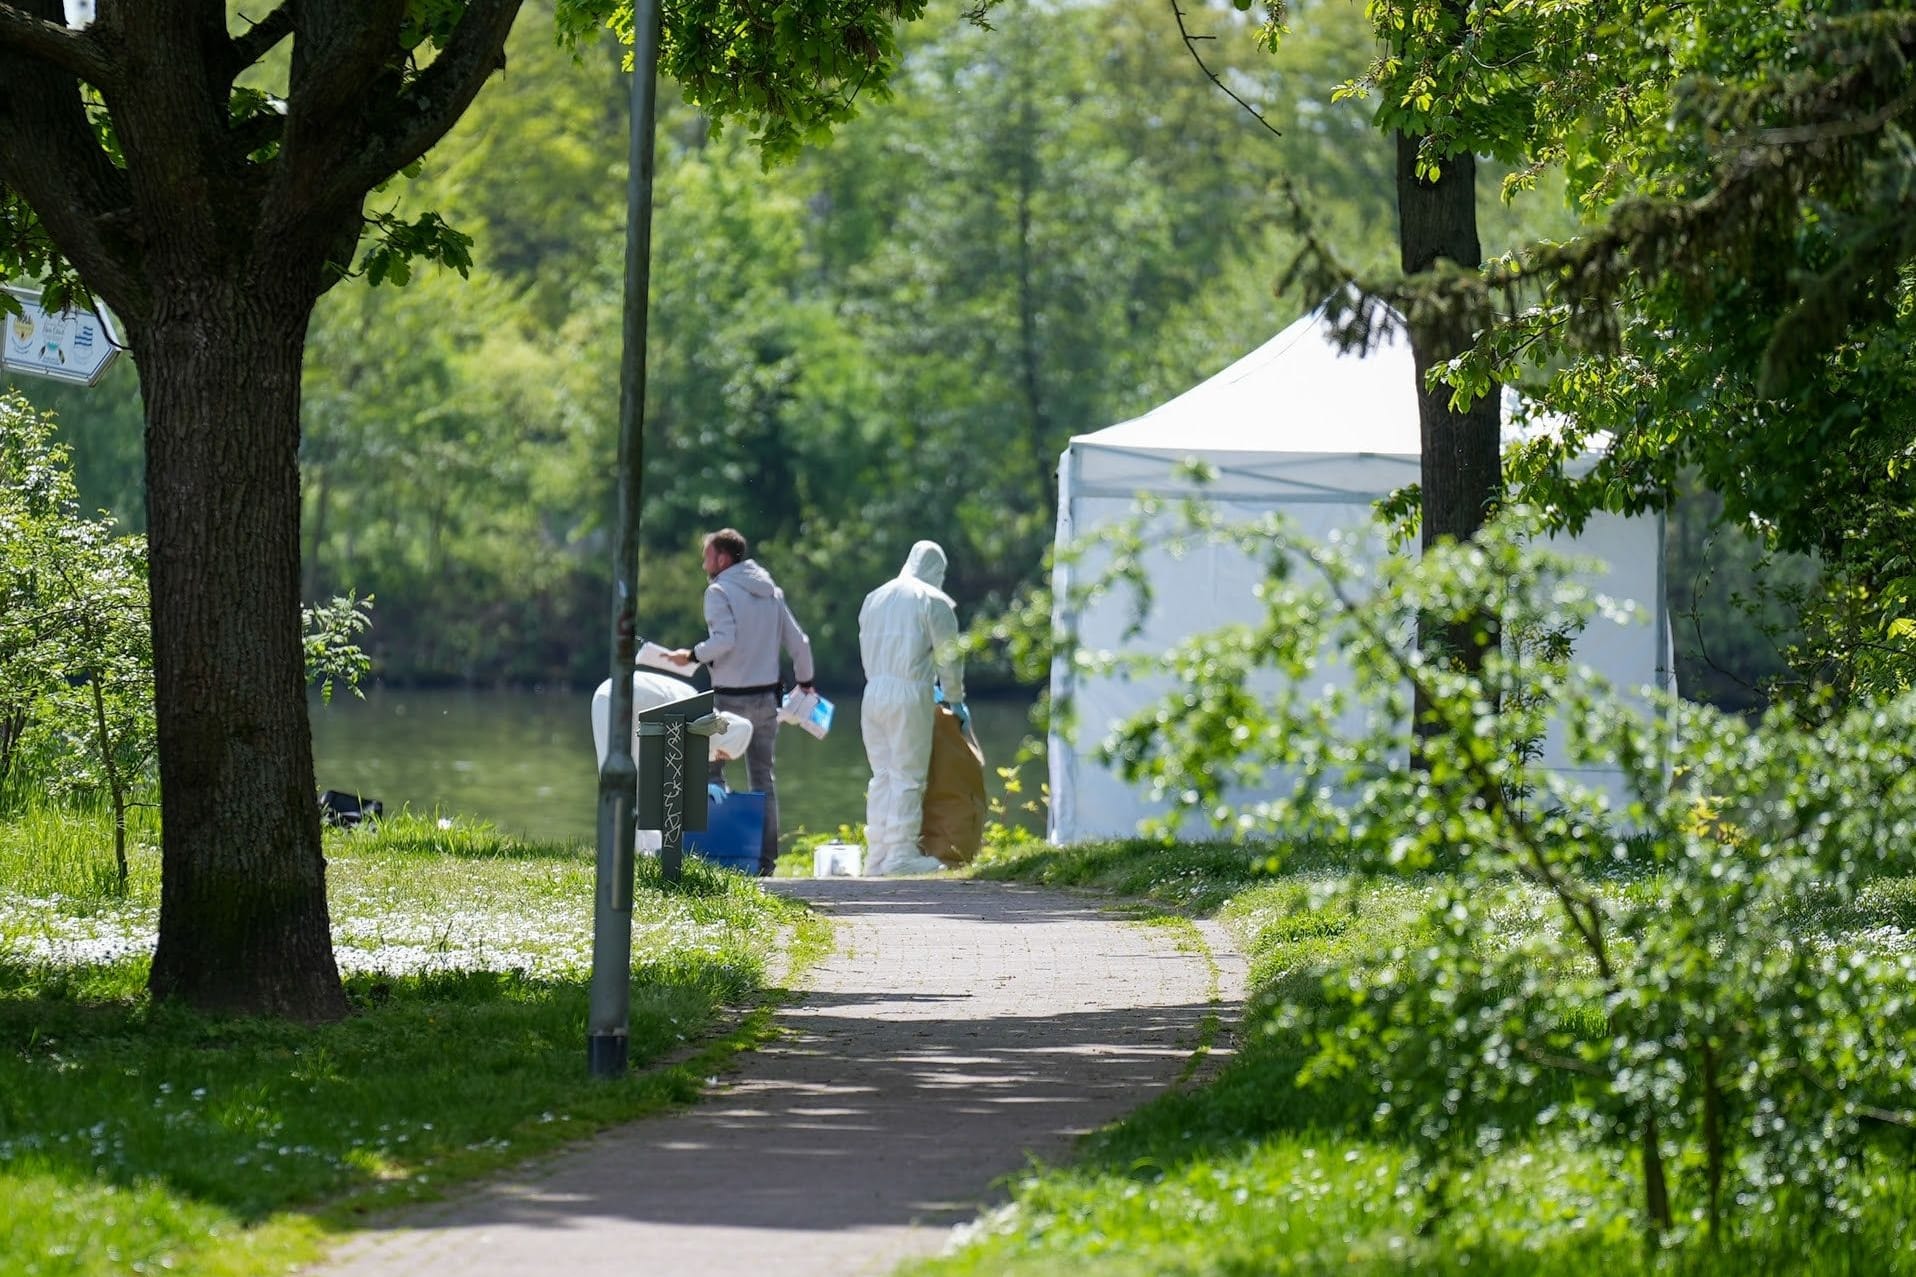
x: 523, y: 760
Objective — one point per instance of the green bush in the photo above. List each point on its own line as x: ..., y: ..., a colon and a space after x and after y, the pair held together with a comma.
x: 1634, y: 983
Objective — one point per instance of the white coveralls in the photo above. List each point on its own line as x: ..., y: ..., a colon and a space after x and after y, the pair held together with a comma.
x: 906, y: 630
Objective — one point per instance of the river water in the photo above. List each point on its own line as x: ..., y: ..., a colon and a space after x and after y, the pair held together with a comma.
x: 523, y: 760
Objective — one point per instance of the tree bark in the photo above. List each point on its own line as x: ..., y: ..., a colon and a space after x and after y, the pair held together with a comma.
x: 1656, y: 1188
x: 1461, y: 458
x: 1462, y: 465
x: 115, y: 786
x: 244, y: 924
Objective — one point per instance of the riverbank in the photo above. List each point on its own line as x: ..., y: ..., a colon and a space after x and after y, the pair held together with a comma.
x: 136, y: 1138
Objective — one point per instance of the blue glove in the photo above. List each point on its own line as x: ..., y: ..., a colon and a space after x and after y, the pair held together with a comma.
x: 715, y: 792
x: 964, y: 715
x: 937, y: 694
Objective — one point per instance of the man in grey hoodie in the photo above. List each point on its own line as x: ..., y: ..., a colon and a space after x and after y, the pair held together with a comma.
x: 749, y: 622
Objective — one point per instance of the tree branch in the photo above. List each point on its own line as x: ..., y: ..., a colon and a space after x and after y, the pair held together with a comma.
x: 339, y: 53
x: 253, y: 44
x: 1827, y: 130
x: 259, y: 130
x: 55, y: 44
x: 1190, y: 43
x: 426, y: 110
x: 51, y: 158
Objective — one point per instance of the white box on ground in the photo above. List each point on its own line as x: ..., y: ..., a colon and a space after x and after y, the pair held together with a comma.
x: 837, y: 860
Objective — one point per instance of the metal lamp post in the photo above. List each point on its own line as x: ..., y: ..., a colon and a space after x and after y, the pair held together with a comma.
x: 610, y: 1000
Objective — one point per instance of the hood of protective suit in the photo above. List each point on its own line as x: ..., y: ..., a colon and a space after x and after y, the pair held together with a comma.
x: 926, y: 562
x: 747, y: 575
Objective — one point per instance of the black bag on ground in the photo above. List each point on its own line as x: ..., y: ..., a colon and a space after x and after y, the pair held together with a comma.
x: 348, y: 811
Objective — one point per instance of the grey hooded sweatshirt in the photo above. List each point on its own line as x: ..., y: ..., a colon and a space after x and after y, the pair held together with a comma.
x: 749, y: 621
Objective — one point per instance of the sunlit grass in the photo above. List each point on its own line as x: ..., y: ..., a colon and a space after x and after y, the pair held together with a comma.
x: 136, y: 1137
x: 52, y: 849
x: 1199, y: 876
x: 1254, y: 1173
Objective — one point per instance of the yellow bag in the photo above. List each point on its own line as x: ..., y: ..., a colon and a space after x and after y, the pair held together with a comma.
x: 955, y: 806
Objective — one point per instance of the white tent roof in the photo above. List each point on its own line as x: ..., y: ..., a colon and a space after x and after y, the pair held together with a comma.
x: 1296, y: 393
x: 1345, y: 421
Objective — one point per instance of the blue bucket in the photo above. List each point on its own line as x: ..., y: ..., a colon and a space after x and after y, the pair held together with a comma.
x: 734, y: 832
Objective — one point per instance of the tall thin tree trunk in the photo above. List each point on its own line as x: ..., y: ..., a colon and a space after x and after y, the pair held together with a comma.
x: 1030, y: 356
x: 244, y: 925
x: 310, y: 576
x: 1713, y: 1156
x: 115, y: 785
x: 1656, y: 1188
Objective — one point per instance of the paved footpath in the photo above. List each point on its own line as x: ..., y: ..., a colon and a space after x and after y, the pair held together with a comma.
x: 960, y: 1028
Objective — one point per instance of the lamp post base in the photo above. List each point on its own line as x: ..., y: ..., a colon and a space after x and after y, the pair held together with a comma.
x: 605, y: 1054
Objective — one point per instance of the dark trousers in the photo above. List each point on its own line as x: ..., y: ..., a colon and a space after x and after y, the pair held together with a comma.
x: 761, y: 710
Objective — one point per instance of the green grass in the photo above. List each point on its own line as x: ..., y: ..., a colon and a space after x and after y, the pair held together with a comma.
x: 1192, y: 876
x: 48, y: 849
x: 1253, y: 1173
x: 136, y: 1138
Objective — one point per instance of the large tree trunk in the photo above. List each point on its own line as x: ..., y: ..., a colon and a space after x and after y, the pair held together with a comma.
x: 244, y: 925
x: 1461, y: 461
x: 1461, y: 452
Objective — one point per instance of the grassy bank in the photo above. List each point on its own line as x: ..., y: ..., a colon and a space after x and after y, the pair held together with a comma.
x: 1259, y: 1172
x: 136, y: 1138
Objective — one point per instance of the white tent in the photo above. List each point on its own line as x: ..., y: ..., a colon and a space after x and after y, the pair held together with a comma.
x: 1295, y: 426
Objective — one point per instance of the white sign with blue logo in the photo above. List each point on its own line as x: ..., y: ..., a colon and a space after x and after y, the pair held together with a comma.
x: 66, y: 345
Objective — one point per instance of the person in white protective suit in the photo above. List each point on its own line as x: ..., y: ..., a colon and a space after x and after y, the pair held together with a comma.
x: 649, y: 691
x: 906, y: 636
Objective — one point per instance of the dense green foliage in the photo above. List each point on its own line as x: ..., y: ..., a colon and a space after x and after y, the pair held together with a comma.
x: 1699, y: 982
x: 135, y: 1137
x: 76, y: 661
x: 1052, y: 225
x: 1743, y: 310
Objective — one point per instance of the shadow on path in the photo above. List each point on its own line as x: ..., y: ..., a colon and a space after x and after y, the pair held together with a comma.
x: 960, y: 1029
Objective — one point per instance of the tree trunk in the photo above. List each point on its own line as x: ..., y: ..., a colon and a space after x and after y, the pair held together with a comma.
x: 1713, y: 1144
x: 1462, y: 466
x: 244, y: 926
x: 1461, y: 469
x: 115, y: 786
x: 1656, y: 1189
x: 310, y: 577
x: 1030, y: 356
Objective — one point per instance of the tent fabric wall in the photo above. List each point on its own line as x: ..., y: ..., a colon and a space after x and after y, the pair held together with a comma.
x: 1298, y: 428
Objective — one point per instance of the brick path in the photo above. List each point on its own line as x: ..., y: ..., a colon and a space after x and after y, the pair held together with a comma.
x: 960, y: 1028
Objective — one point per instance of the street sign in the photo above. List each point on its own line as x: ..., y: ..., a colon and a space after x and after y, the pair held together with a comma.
x: 70, y: 345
